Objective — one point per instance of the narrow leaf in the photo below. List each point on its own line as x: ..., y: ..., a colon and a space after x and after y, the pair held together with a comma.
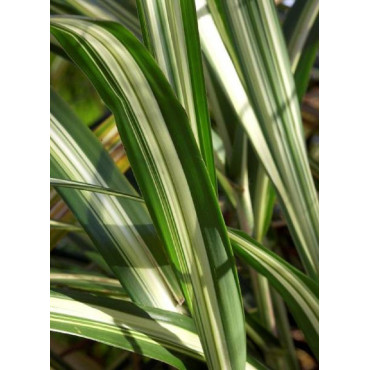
x: 123, y: 233
x: 268, y: 109
x: 172, y: 177
x: 93, y: 283
x: 307, y: 59
x: 298, y: 291
x: 103, y: 9
x: 297, y: 26
x: 172, y: 37
x: 54, y: 224
x: 155, y: 333
x: 60, y: 183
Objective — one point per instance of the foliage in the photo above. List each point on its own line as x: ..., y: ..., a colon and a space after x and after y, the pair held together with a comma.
x: 162, y: 205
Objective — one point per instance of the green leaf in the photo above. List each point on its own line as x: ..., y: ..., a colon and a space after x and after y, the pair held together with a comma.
x: 221, y: 113
x: 172, y: 177
x: 263, y: 203
x: 307, y: 59
x: 60, y: 183
x: 300, y: 19
x: 97, y: 284
x: 108, y: 135
x: 265, y: 102
x: 171, y: 34
x: 151, y: 332
x: 159, y: 334
x: 298, y: 291
x: 103, y: 286
x: 238, y: 170
x: 121, y: 229
x: 58, y: 225
x: 103, y: 9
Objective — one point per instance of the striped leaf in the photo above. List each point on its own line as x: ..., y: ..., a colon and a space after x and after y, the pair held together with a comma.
x: 307, y: 59
x: 275, y: 133
x: 122, y: 232
x: 92, y: 283
x: 108, y: 287
x: 300, y: 13
x: 151, y: 332
x: 298, y: 291
x: 159, y: 334
x: 172, y: 177
x: 221, y: 113
x: 108, y: 135
x: 58, y: 225
x: 297, y: 26
x: 118, y: 11
x: 60, y: 183
x: 171, y: 33
x: 263, y: 196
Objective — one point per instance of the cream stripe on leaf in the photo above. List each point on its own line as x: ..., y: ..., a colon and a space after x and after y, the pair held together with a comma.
x: 301, y: 31
x: 172, y: 177
x: 268, y: 109
x: 122, y: 231
x: 300, y: 19
x: 58, y: 225
x: 302, y: 73
x: 59, y: 183
x: 102, y: 9
x: 87, y: 282
x: 159, y: 334
x: 171, y: 31
x: 298, y: 291
x: 152, y: 332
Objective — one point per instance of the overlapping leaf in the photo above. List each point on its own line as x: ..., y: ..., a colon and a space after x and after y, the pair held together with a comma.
x: 123, y: 233
x: 171, y: 34
x: 175, y: 185
x: 297, y: 26
x: 122, y: 11
x: 298, y: 291
x: 108, y: 135
x: 155, y: 333
x: 265, y: 102
x: 88, y: 282
x: 60, y: 183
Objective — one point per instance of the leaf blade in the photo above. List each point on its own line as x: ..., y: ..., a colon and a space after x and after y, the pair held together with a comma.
x: 298, y: 291
x: 267, y: 84
x: 159, y: 334
x: 172, y: 37
x: 176, y: 186
x: 61, y: 183
x: 112, y: 223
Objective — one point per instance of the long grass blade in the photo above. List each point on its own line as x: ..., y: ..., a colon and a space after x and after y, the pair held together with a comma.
x: 300, y: 19
x: 159, y: 334
x: 307, y: 59
x: 117, y: 11
x: 298, y: 291
x: 108, y: 135
x: 58, y: 225
x: 174, y: 184
x: 91, y: 283
x: 271, y: 115
x: 150, y: 332
x: 172, y: 37
x: 60, y: 183
x: 122, y: 232
x: 263, y: 203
